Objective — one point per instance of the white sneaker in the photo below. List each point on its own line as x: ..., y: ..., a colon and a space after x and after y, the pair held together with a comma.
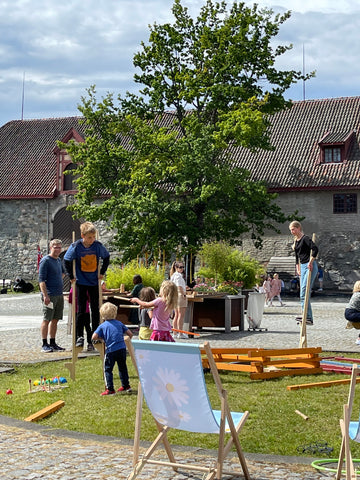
x: 358, y: 341
x: 183, y: 335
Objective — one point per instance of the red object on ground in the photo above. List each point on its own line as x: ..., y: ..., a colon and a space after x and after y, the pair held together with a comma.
x: 9, y: 392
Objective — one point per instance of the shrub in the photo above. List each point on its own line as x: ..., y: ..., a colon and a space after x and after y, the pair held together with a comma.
x: 151, y: 277
x: 242, y: 268
x: 231, y: 268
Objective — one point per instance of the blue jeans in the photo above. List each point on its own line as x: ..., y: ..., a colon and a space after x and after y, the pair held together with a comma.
x: 304, y: 271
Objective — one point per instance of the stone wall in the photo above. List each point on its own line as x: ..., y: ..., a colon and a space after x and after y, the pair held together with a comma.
x: 337, y: 236
x: 25, y: 224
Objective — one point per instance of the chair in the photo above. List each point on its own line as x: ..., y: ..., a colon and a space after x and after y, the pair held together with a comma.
x: 172, y: 382
x: 349, y: 430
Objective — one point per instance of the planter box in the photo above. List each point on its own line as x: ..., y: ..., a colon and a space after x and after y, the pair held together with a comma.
x: 127, y: 312
x: 223, y: 312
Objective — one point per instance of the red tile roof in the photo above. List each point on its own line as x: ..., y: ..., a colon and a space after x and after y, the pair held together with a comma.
x: 295, y: 134
x: 28, y: 162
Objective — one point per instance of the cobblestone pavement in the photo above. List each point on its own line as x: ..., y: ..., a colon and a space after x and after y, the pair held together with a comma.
x: 30, y: 451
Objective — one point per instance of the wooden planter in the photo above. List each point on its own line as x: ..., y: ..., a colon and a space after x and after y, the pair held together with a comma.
x: 223, y: 312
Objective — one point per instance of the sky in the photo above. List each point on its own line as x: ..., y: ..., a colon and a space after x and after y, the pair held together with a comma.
x: 52, y: 51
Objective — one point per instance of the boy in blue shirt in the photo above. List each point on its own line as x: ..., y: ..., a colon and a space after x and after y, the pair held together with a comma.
x: 87, y: 253
x: 112, y: 332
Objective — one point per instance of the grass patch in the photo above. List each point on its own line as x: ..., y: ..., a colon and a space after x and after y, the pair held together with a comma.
x: 273, y: 426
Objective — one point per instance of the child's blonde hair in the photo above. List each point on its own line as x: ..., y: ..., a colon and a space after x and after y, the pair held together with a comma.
x: 147, y: 294
x: 169, y: 292
x: 87, y: 227
x: 356, y: 286
x: 108, y: 311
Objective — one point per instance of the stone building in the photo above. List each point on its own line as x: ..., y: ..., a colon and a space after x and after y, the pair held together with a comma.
x: 35, y: 193
x: 314, y: 169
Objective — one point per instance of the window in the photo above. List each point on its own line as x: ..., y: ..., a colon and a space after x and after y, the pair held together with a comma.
x: 345, y: 203
x: 332, y: 154
x: 69, y: 177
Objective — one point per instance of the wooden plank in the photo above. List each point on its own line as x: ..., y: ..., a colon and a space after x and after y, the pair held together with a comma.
x: 267, y: 358
x: 300, y: 363
x: 328, y: 383
x: 337, y: 369
x: 283, y: 373
x: 235, y: 367
x: 282, y: 352
x: 45, y: 411
x: 224, y: 351
x: 346, y: 359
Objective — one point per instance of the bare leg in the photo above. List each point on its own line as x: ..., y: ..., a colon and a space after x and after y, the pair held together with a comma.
x: 176, y: 319
x: 44, y: 329
x: 53, y: 328
x: 181, y: 317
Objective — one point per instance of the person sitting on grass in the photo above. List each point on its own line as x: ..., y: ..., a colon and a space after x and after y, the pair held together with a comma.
x: 352, y: 310
x: 112, y: 332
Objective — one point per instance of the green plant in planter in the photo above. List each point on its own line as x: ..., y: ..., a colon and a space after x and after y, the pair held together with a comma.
x: 242, y: 268
x: 214, y: 255
x: 232, y: 288
x: 231, y: 268
x: 151, y: 277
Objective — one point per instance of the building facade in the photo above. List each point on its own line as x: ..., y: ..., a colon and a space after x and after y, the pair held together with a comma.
x: 314, y: 168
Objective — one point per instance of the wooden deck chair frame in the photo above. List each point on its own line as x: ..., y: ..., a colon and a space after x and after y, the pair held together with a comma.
x: 215, y: 470
x: 345, y: 452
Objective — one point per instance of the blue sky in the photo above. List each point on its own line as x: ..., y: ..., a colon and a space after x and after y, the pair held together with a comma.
x: 63, y: 47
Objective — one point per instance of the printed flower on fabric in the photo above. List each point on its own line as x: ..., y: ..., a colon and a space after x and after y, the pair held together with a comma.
x: 171, y: 386
x: 142, y: 357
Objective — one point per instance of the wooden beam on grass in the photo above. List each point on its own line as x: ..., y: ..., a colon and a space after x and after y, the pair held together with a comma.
x: 329, y: 383
x: 45, y: 411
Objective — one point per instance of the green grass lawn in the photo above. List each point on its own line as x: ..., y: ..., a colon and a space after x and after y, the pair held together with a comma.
x: 273, y: 427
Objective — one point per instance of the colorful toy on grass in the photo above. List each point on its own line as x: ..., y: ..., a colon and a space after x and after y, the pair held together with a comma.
x: 54, y: 380
x: 47, y: 385
x: 9, y: 392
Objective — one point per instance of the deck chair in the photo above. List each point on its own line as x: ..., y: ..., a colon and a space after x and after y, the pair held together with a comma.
x: 349, y: 431
x: 172, y: 382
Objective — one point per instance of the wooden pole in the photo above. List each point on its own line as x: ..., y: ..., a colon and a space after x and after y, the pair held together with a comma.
x: 99, y: 280
x: 305, y: 417
x: 75, y: 350
x: 303, y: 336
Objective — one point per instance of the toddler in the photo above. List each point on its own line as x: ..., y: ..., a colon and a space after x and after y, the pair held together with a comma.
x: 147, y: 294
x: 112, y: 331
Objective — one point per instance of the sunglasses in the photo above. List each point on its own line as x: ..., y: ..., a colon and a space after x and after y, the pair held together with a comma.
x: 182, y: 266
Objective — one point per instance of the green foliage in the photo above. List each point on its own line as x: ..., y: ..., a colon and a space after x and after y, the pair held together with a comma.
x: 230, y: 266
x: 161, y: 160
x: 151, y: 277
x: 215, y: 256
x: 242, y: 268
x: 272, y: 426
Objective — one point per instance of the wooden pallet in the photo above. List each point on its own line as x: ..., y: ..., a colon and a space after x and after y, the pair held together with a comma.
x: 263, y: 363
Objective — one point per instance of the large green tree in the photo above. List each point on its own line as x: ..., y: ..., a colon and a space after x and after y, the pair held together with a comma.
x: 163, y: 158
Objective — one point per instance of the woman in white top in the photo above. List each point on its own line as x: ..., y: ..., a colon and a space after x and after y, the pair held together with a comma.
x: 176, y: 276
